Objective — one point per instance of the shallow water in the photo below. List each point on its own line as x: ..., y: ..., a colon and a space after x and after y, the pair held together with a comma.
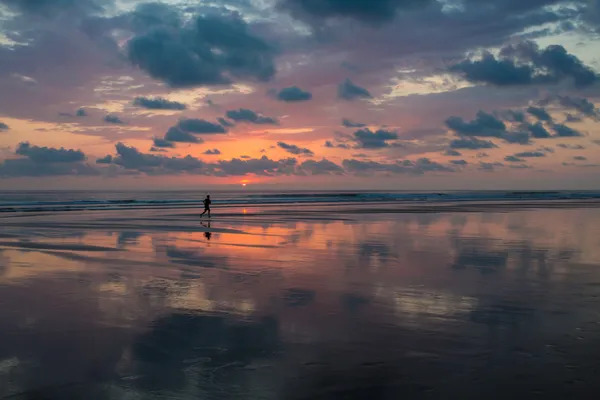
x: 275, y: 303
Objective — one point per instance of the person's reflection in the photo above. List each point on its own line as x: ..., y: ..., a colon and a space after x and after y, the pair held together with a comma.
x: 207, y: 234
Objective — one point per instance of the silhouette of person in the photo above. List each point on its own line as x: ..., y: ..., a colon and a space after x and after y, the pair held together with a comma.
x: 207, y: 204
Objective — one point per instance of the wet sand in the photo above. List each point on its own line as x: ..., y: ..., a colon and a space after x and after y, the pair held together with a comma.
x: 387, y: 302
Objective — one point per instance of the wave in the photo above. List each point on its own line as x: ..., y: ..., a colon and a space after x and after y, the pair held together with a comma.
x: 258, y: 199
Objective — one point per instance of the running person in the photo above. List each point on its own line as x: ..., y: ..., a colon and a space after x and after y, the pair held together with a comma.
x: 207, y: 204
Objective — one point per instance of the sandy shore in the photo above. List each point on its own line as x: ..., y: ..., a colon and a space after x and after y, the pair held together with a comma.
x: 456, y: 300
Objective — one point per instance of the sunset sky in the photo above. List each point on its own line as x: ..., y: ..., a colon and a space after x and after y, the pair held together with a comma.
x: 299, y: 94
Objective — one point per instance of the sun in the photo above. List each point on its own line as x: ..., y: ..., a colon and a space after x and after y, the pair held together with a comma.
x: 245, y: 182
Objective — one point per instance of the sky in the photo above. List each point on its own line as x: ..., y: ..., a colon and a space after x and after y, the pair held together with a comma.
x: 299, y: 94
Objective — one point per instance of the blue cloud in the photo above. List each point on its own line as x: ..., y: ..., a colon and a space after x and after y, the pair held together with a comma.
x: 293, y: 149
x: 245, y: 115
x: 294, y: 94
x: 347, y: 90
x: 158, y: 103
x: 200, y: 126
x: 174, y: 134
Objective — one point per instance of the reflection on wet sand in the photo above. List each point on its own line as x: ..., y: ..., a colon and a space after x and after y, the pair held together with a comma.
x: 377, y: 306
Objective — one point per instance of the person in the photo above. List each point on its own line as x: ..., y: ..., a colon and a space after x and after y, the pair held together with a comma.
x: 207, y: 203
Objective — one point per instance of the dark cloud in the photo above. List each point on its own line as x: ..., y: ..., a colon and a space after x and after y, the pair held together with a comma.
x: 294, y: 94
x: 197, y: 53
x: 458, y: 162
x: 531, y: 154
x: 371, y: 12
x: 51, y: 8
x: 81, y: 113
x: 580, y: 104
x: 261, y: 166
x: 564, y: 131
x: 323, y: 167
x: 200, y: 126
x: 526, y: 64
x: 245, y: 115
x: 514, y: 115
x: 486, y: 125
x: 174, y: 134
x: 113, y: 119
x: 489, y: 167
x: 417, y: 167
x: 580, y: 158
x: 293, y: 149
x: 537, y: 130
x: 367, y: 139
x: 154, y: 149
x: 162, y: 143
x: 351, y: 124
x: 329, y: 144
x: 158, y: 103
x: 452, y: 153
x: 349, y: 91
x: 105, y: 160
x: 4, y: 127
x: 471, y: 143
x: 540, y: 113
x: 49, y: 155
x: 513, y: 159
x: 131, y: 158
x: 572, y: 118
x: 225, y: 123
x: 45, y: 161
x: 570, y: 146
x: 212, y: 152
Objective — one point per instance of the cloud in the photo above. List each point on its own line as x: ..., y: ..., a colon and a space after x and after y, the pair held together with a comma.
x: 50, y: 8
x: 212, y: 152
x: 580, y: 104
x: 113, y: 119
x: 132, y: 159
x: 261, y: 166
x: 45, y: 161
x: 163, y: 143
x: 351, y: 124
x: 458, y: 162
x: 347, y: 90
x: 513, y: 159
x: 526, y: 64
x: 294, y: 94
x: 174, y: 134
x: 486, y: 125
x: 490, y: 167
x: 564, y: 131
x: 417, y: 167
x: 572, y: 118
x: 366, y: 11
x: 200, y: 126
x: 225, y: 123
x: 570, y: 146
x: 540, y: 113
x: 367, y: 139
x: 329, y: 144
x: 105, y: 160
x: 530, y: 154
x: 245, y: 115
x: 3, y: 126
x: 471, y: 143
x: 197, y: 53
x: 293, y: 149
x: 323, y: 167
x: 48, y: 154
x: 81, y: 113
x: 580, y: 158
x: 158, y: 103
x: 537, y: 130
x: 452, y: 153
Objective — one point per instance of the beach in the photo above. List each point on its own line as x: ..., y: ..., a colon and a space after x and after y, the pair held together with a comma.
x: 300, y: 297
